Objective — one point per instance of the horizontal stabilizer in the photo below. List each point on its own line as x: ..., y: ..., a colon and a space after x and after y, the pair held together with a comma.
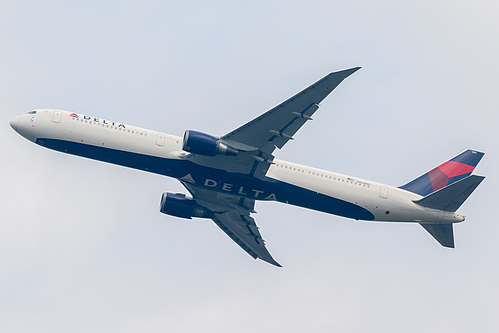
x: 451, y: 197
x: 443, y: 233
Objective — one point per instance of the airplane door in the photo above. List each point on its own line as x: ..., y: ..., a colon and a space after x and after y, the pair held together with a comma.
x: 56, y: 116
x: 383, y: 192
x: 160, y: 140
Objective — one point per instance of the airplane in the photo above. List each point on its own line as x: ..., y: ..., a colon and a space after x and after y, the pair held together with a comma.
x: 226, y: 175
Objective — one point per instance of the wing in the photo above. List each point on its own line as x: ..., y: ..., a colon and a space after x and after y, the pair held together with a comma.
x: 257, y: 139
x: 232, y: 215
x: 278, y: 125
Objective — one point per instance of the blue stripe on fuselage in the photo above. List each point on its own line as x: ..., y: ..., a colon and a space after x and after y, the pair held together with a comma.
x: 215, y: 179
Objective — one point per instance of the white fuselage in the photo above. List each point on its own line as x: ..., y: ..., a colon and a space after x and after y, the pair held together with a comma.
x: 285, y: 181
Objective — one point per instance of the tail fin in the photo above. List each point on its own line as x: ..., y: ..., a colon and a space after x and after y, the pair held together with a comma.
x: 445, y: 174
x: 446, y: 187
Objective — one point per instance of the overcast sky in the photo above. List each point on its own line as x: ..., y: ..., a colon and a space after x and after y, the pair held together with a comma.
x: 83, y: 247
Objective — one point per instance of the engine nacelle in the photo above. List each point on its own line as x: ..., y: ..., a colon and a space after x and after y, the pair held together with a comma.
x: 177, y: 204
x: 204, y: 144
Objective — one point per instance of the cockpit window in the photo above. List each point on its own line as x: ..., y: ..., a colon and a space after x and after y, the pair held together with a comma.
x: 32, y: 112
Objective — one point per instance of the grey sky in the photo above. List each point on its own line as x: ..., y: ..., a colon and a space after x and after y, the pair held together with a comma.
x: 83, y: 247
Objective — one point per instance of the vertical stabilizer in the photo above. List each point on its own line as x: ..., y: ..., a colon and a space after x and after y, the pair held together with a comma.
x: 445, y: 174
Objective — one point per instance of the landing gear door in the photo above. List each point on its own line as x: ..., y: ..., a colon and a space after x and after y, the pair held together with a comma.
x: 56, y: 116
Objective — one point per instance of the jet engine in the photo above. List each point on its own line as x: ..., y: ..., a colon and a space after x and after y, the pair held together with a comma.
x: 204, y: 144
x: 177, y: 204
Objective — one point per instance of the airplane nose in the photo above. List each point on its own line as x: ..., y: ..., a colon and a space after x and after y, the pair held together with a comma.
x: 13, y: 123
x: 24, y: 126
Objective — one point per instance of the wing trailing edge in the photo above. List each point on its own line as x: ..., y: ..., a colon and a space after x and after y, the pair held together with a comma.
x: 243, y: 230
